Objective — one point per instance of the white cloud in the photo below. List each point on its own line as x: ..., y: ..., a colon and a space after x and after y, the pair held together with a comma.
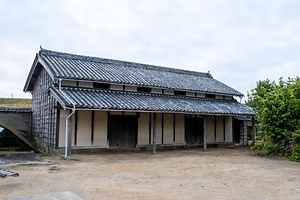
x: 240, y: 42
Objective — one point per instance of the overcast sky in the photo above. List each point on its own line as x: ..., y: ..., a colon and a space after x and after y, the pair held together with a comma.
x: 238, y: 41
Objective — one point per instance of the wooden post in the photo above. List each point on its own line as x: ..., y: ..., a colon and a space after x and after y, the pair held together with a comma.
x: 204, y: 134
x: 154, y: 133
x: 253, y: 131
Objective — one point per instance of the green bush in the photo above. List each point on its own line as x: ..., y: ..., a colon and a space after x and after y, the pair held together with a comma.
x: 277, y: 107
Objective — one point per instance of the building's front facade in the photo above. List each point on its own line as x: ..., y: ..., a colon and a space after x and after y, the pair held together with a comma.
x: 116, y: 104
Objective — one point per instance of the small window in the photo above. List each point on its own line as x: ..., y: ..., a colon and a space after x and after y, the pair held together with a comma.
x: 211, y: 96
x: 143, y: 89
x: 180, y: 93
x: 101, y: 85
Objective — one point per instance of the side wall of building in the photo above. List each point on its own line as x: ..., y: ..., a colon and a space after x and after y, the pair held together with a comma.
x: 90, y: 129
x: 44, y: 113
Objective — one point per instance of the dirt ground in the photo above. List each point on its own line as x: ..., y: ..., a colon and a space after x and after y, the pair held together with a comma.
x: 179, y: 174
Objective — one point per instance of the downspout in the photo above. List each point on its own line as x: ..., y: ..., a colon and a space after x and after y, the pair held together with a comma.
x: 68, y: 126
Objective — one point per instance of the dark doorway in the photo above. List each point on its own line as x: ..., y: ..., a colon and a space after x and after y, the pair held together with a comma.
x: 194, y: 130
x: 122, y: 131
x: 237, y: 130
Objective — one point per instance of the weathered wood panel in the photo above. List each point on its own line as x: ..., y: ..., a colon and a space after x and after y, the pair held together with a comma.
x: 100, y: 129
x: 143, y: 129
x: 179, y: 129
x: 168, y: 128
x: 84, y: 128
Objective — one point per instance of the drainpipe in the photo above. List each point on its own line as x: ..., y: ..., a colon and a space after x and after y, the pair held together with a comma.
x: 68, y: 126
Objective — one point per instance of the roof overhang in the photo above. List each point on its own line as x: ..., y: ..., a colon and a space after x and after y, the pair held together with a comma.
x: 107, y: 100
x: 36, y: 68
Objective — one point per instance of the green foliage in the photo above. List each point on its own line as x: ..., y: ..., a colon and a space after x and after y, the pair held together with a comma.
x: 277, y: 107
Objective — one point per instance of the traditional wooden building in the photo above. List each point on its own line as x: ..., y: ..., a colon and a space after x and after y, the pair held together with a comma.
x: 106, y: 104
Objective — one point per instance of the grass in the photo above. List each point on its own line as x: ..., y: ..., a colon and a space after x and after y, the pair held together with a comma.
x: 15, y: 102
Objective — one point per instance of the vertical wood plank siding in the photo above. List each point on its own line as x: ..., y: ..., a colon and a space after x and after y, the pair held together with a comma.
x: 44, y: 113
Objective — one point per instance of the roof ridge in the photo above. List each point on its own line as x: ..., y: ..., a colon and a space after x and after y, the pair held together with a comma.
x: 120, y: 62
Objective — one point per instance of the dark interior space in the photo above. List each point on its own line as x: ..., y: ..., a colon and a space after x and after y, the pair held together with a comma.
x: 194, y: 130
x: 122, y: 131
x: 10, y: 142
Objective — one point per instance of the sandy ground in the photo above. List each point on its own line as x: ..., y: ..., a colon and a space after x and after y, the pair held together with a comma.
x: 178, y: 174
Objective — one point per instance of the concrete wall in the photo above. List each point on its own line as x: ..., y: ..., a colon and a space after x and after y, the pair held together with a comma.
x: 100, y: 129
x: 143, y: 128
x: 168, y: 128
x: 210, y: 130
x: 179, y: 129
x: 84, y: 128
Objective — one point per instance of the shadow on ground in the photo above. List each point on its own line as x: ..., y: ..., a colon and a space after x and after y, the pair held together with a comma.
x: 10, y: 158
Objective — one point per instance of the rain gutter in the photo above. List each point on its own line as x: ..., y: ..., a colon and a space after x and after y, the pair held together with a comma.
x: 68, y: 124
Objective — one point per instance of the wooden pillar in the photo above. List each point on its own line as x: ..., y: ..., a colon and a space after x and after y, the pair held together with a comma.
x: 253, y: 131
x: 204, y: 134
x: 154, y: 133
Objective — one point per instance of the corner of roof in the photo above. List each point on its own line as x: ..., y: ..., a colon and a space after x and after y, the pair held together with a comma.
x: 29, y: 77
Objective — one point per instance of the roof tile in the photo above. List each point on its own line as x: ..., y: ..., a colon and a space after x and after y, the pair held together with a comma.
x: 121, y: 100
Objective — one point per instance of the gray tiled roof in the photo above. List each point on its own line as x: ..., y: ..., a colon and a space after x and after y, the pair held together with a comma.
x: 70, y: 66
x: 133, y: 101
x: 15, y: 110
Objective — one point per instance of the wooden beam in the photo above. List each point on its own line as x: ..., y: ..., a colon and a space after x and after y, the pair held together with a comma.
x: 204, y: 134
x: 253, y: 131
x: 154, y: 133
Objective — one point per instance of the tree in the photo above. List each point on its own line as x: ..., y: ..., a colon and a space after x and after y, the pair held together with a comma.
x: 277, y: 107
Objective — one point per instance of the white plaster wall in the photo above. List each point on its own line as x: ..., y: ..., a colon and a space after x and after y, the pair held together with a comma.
x: 62, y: 128
x: 179, y: 129
x: 220, y: 129
x: 228, y: 97
x: 190, y: 94
x: 202, y: 95
x: 210, y: 129
x: 116, y: 87
x: 130, y: 88
x: 115, y: 112
x: 100, y: 129
x: 158, y: 128
x: 85, y: 84
x: 219, y: 96
x: 68, y: 83
x: 143, y: 129
x: 84, y: 124
x: 130, y: 113
x: 169, y: 92
x: 228, y: 129
x: 168, y: 128
x: 156, y: 91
